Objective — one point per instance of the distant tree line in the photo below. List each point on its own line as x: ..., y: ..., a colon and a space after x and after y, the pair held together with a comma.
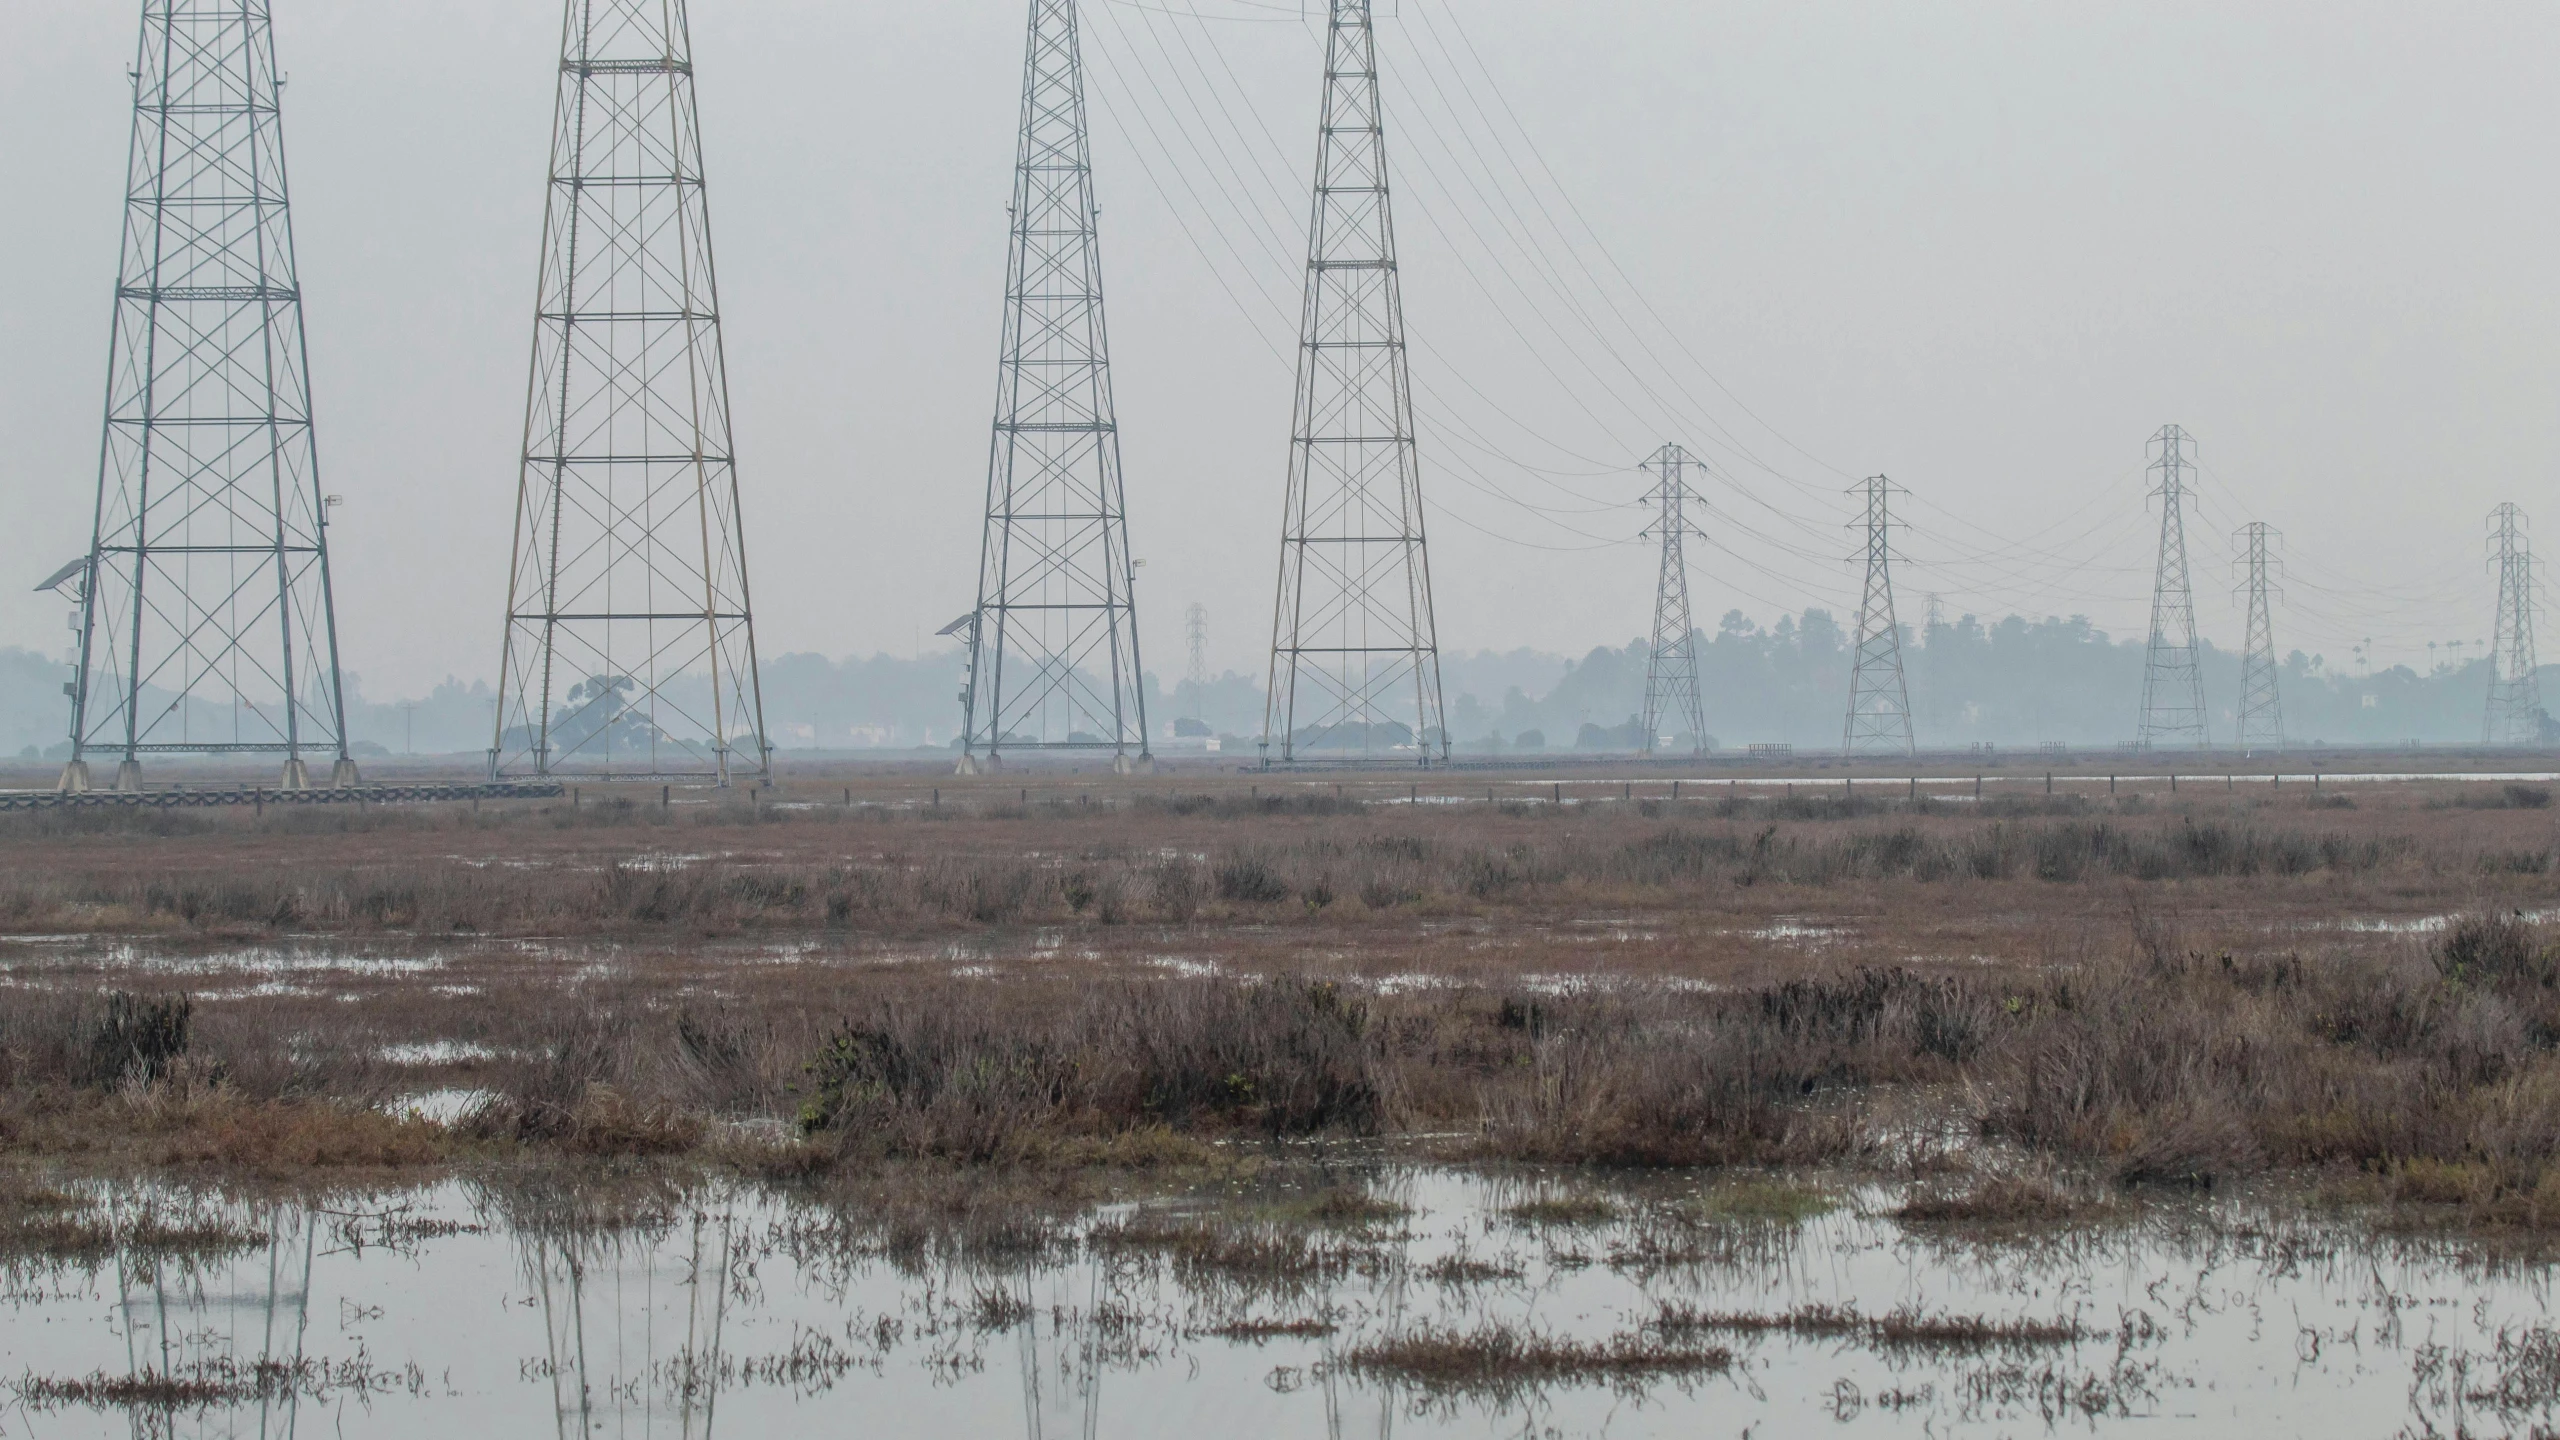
x: 2012, y: 683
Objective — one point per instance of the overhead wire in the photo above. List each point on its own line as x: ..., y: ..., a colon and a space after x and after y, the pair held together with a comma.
x: 1577, y: 336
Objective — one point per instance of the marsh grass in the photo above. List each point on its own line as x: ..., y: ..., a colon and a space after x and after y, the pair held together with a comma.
x: 1901, y: 1329
x: 1223, y: 1253
x: 2126, y: 1049
x: 1565, y: 1211
x: 216, y: 1381
x: 1497, y: 1361
x: 2429, y: 1066
x: 2001, y: 1200
x: 1256, y: 1332
x: 601, y: 870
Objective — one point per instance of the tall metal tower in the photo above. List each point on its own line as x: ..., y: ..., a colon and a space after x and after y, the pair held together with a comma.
x: 1195, y: 629
x: 1671, y: 689
x: 2515, y: 694
x: 2261, y: 707
x: 206, y: 624
x: 1355, y: 650
x: 2173, y: 714
x: 1053, y: 658
x: 630, y: 651
x: 1879, y: 720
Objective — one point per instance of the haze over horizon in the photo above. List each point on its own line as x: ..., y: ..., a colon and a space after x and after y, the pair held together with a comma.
x: 1987, y: 250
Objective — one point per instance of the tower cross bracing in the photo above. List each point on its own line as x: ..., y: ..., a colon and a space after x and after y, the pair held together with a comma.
x: 1355, y: 651
x: 630, y: 645
x: 206, y: 623
x: 2261, y: 701
x: 1672, y: 694
x: 2173, y: 713
x: 2515, y: 714
x: 1879, y: 720
x: 1053, y: 655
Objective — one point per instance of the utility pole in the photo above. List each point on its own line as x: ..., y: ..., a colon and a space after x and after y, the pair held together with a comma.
x: 206, y: 621
x: 2173, y: 713
x: 1053, y: 655
x: 2515, y: 693
x: 1671, y: 689
x: 630, y: 650
x: 1879, y: 696
x: 2261, y: 707
x: 1355, y: 649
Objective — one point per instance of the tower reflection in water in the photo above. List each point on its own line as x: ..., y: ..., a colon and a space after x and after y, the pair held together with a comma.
x: 634, y: 1323
x: 246, y: 1318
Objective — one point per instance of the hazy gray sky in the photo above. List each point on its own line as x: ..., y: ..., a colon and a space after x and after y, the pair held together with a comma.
x: 1987, y: 249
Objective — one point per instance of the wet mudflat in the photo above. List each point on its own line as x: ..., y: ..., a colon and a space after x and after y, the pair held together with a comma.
x: 1362, y: 1301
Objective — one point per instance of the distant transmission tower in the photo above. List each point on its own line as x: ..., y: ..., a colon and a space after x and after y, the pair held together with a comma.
x: 1053, y: 658
x: 1195, y: 629
x: 206, y: 624
x: 2515, y: 693
x: 1879, y: 697
x: 630, y: 650
x: 1355, y: 651
x: 1671, y: 688
x: 2261, y: 707
x: 2173, y: 712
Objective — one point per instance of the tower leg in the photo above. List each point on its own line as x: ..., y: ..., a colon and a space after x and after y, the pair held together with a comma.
x: 75, y: 779
x: 970, y: 764
x: 297, y: 776
x: 129, y: 776
x: 344, y: 775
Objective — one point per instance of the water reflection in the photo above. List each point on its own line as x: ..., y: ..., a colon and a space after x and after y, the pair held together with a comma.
x: 248, y: 1321
x: 632, y: 1324
x: 1419, y: 1304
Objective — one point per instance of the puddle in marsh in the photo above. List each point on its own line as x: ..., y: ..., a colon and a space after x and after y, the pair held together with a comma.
x: 465, y: 1312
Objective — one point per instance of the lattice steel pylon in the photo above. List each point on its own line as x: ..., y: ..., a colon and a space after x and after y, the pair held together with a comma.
x: 2173, y: 712
x: 1879, y: 720
x: 206, y: 623
x: 2261, y: 702
x: 1195, y: 631
x: 1355, y: 647
x: 630, y: 650
x: 1671, y: 688
x: 2515, y: 712
x: 1053, y: 657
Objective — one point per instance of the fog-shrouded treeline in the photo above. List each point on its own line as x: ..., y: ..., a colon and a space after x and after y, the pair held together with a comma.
x: 2011, y: 683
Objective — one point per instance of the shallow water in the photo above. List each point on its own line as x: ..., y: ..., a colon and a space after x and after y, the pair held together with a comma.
x: 458, y: 1311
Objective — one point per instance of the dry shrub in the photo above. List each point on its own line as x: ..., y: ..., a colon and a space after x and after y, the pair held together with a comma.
x: 2490, y: 949
x: 2183, y: 1068
x: 608, y: 1123
x: 1286, y: 1057
x: 1632, y: 1092
x: 1649, y: 1079
x: 183, y: 1126
x: 1283, y: 1057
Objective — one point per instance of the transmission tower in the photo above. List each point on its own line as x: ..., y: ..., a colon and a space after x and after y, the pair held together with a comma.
x: 1879, y: 697
x: 1053, y: 658
x: 1355, y: 652
x: 2173, y: 712
x: 205, y: 619
x: 2261, y: 707
x: 630, y: 651
x: 1671, y: 688
x: 2515, y: 693
x: 1195, y: 629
